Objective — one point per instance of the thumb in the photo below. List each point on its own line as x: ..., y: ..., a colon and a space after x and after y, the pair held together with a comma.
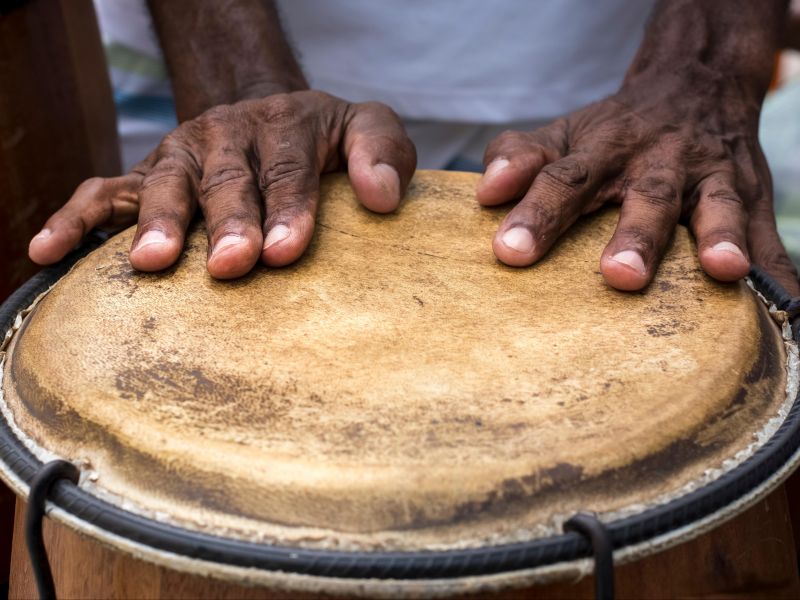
x: 380, y: 156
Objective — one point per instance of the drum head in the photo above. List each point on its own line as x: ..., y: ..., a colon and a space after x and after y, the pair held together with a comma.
x: 398, y: 388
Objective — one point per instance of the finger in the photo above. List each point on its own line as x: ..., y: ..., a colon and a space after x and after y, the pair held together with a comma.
x: 166, y: 205
x: 231, y: 205
x: 650, y: 210
x: 553, y: 203
x: 766, y: 249
x: 288, y: 180
x: 380, y: 156
x: 513, y: 160
x: 764, y: 242
x: 719, y: 224
x: 96, y: 202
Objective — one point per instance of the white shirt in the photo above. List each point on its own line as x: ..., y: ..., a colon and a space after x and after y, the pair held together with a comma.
x: 457, y: 71
x: 474, y: 61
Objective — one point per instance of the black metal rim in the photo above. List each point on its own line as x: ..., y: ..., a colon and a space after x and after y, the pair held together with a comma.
x: 626, y: 532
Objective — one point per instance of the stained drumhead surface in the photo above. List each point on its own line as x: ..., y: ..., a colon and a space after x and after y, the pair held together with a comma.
x: 398, y: 387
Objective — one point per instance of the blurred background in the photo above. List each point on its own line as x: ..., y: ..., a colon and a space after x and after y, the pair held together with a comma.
x: 780, y: 138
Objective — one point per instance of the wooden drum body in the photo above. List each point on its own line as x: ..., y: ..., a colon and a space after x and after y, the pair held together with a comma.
x: 398, y: 414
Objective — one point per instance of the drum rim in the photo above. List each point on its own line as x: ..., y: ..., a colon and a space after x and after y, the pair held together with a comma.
x: 627, y: 532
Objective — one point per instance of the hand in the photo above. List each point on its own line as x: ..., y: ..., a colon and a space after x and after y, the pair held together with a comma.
x: 668, y: 152
x: 254, y: 169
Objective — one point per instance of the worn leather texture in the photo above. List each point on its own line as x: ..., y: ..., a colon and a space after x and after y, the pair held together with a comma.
x: 397, y: 387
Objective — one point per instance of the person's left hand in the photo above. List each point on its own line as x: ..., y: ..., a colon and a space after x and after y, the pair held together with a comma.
x: 668, y: 153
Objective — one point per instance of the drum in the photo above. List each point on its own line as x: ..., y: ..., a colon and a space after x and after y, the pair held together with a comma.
x: 396, y: 415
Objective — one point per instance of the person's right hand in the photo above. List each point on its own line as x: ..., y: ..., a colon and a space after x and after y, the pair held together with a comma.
x: 254, y: 169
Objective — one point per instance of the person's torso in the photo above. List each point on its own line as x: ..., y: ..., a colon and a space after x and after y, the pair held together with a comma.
x: 457, y: 71
x: 468, y: 60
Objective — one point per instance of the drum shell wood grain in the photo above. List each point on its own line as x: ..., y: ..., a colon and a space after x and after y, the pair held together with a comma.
x: 57, y: 120
x: 58, y: 128
x: 751, y: 556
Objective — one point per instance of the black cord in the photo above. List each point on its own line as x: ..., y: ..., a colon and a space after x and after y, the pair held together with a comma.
x: 595, y: 531
x: 40, y: 487
x: 776, y: 293
x: 770, y: 288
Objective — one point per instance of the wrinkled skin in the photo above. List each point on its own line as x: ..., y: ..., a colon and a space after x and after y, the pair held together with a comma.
x: 667, y: 154
x: 677, y: 142
x: 253, y: 168
x: 665, y: 151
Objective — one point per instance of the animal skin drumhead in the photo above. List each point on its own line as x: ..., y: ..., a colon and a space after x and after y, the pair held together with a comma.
x: 398, y: 387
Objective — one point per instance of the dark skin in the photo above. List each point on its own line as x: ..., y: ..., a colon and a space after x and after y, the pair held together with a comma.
x: 678, y: 142
x: 252, y: 145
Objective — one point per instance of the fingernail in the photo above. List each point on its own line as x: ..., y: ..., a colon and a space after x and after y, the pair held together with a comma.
x: 226, y: 242
x: 519, y: 239
x: 390, y: 180
x: 151, y: 237
x: 43, y: 234
x: 495, y: 167
x: 630, y: 259
x: 276, y: 234
x: 728, y: 247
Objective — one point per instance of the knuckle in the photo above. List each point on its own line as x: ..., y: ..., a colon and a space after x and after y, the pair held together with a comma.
x: 656, y: 190
x: 93, y: 187
x: 514, y: 143
x: 379, y: 108
x: 282, y: 173
x: 763, y: 216
x: 75, y: 222
x: 720, y: 232
x: 216, y: 126
x: 223, y: 179
x: 138, y: 171
x: 173, y: 142
x: 128, y: 183
x: 174, y: 153
x: 637, y: 238
x: 315, y: 95
x: 495, y: 149
x: 512, y: 138
x: 542, y: 217
x: 762, y: 191
x: 287, y: 209
x: 166, y: 173
x: 282, y: 107
x: 214, y: 116
x: 547, y: 217
x: 372, y: 105
x: 750, y: 180
x: 162, y: 215
x: 750, y: 186
x: 568, y: 172
x: 512, y: 135
x: 559, y: 126
x: 727, y: 197
x: 232, y: 218
x: 70, y: 222
x: 393, y: 144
